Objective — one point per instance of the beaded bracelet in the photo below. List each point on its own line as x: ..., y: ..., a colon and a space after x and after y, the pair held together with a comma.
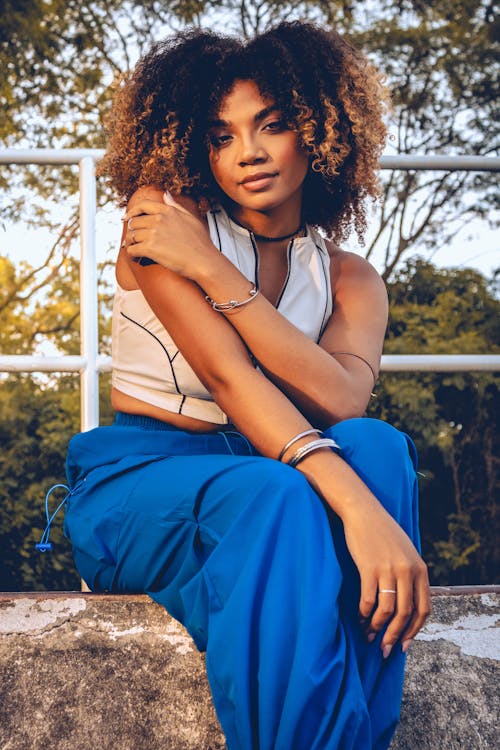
x: 314, y: 445
x: 294, y: 440
x: 232, y: 303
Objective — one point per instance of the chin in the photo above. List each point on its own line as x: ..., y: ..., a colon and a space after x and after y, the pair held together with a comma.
x: 263, y: 202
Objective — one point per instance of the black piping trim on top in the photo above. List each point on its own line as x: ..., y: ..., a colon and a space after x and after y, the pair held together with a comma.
x: 182, y: 403
x: 328, y: 290
x: 289, y: 261
x: 164, y: 349
x: 256, y: 254
x: 217, y: 228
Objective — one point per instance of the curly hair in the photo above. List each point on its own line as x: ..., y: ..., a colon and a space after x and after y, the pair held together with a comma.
x: 326, y: 89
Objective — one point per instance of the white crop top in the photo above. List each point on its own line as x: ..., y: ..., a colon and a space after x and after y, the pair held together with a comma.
x: 147, y: 364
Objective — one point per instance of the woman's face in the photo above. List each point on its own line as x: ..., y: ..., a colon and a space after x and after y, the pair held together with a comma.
x: 255, y: 159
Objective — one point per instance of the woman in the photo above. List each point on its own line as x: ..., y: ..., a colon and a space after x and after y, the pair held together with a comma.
x: 239, y: 486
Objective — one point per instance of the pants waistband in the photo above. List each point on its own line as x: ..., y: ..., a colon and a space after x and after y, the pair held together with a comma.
x: 231, y: 438
x: 148, y: 423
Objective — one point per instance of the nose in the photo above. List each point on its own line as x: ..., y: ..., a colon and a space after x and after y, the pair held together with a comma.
x: 252, y: 151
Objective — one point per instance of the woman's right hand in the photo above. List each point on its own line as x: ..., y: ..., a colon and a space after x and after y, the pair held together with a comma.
x: 169, y: 231
x: 387, y: 562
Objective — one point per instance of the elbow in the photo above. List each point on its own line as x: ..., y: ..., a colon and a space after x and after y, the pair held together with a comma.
x: 224, y: 383
x: 343, y: 406
x: 353, y: 406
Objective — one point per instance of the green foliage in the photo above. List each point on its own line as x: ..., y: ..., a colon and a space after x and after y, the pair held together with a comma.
x: 37, y: 420
x: 441, y: 59
x: 61, y: 60
x: 453, y: 417
x: 36, y: 424
x: 38, y: 416
x: 458, y: 550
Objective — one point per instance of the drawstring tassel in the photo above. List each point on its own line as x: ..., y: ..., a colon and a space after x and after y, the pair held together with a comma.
x: 224, y: 433
x: 44, y: 545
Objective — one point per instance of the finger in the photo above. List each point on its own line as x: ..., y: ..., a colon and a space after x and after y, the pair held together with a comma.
x: 133, y: 238
x: 386, y: 605
x: 368, y: 596
x: 142, y: 221
x: 422, y: 609
x: 144, y: 206
x: 404, y: 610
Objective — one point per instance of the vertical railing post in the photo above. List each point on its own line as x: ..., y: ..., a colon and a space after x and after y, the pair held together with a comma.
x: 89, y: 397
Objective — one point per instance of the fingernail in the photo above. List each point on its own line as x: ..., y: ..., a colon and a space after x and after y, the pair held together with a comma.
x: 371, y: 637
x: 387, y: 651
x: 123, y: 244
x: 406, y: 645
x: 128, y: 223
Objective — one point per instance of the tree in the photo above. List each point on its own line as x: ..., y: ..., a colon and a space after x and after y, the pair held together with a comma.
x: 59, y: 59
x: 38, y: 416
x: 440, y: 59
x: 453, y: 418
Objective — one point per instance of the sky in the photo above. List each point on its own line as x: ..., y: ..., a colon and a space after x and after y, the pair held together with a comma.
x: 476, y: 245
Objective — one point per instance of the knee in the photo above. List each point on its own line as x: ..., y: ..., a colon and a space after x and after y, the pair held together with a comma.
x: 269, y: 488
x: 374, y: 440
x: 278, y: 480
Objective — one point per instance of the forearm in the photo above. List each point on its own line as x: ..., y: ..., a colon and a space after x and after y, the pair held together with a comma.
x: 314, y: 380
x: 253, y: 403
x: 325, y: 388
x: 269, y: 420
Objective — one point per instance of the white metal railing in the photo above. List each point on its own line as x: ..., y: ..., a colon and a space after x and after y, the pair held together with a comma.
x: 90, y: 363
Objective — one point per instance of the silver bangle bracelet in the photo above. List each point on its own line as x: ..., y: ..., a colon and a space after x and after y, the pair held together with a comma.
x: 314, y: 445
x: 232, y: 303
x: 312, y: 431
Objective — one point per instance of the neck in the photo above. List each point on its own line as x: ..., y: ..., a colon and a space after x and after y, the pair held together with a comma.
x: 283, y: 221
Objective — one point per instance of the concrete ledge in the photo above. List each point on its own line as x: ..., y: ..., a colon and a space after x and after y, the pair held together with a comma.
x: 81, y: 671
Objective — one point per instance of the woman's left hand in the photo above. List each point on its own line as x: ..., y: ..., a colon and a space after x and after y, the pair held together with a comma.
x: 168, y: 233
x: 394, y: 581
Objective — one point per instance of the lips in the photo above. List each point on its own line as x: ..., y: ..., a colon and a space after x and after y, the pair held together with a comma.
x: 258, y: 176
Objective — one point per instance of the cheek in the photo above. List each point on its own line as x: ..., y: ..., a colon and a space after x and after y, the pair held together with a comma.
x: 217, y: 167
x: 296, y: 158
x: 299, y: 164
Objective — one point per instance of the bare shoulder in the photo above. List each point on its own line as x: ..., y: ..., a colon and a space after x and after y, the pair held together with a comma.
x: 349, y: 270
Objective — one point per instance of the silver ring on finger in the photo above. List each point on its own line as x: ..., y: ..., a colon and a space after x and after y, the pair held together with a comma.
x: 387, y: 591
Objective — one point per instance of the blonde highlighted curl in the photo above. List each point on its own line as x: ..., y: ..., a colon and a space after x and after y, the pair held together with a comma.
x: 326, y: 89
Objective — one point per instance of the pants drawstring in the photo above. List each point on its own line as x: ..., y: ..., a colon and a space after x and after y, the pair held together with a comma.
x: 44, y: 545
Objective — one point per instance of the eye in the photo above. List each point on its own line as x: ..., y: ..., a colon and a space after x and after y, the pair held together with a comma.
x: 275, y: 126
x: 217, y: 141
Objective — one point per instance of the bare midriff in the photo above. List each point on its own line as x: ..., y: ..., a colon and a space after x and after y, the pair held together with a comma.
x: 130, y: 405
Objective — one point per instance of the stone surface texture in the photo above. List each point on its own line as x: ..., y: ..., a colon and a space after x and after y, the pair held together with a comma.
x: 84, y: 671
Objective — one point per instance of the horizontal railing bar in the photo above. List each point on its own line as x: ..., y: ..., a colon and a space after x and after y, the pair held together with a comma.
x: 390, y: 363
x: 48, y: 155
x: 395, y: 161
x: 40, y: 363
x: 440, y: 362
x: 441, y: 163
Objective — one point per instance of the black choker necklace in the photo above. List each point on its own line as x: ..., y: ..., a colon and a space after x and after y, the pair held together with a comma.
x: 263, y: 238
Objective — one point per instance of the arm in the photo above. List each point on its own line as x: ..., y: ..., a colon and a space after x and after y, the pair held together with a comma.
x: 380, y: 549
x: 326, y: 386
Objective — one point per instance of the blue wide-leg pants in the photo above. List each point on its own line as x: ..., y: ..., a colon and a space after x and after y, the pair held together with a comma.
x: 242, y: 551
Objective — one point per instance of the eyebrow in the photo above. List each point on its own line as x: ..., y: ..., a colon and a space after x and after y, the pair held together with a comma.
x: 261, y: 115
